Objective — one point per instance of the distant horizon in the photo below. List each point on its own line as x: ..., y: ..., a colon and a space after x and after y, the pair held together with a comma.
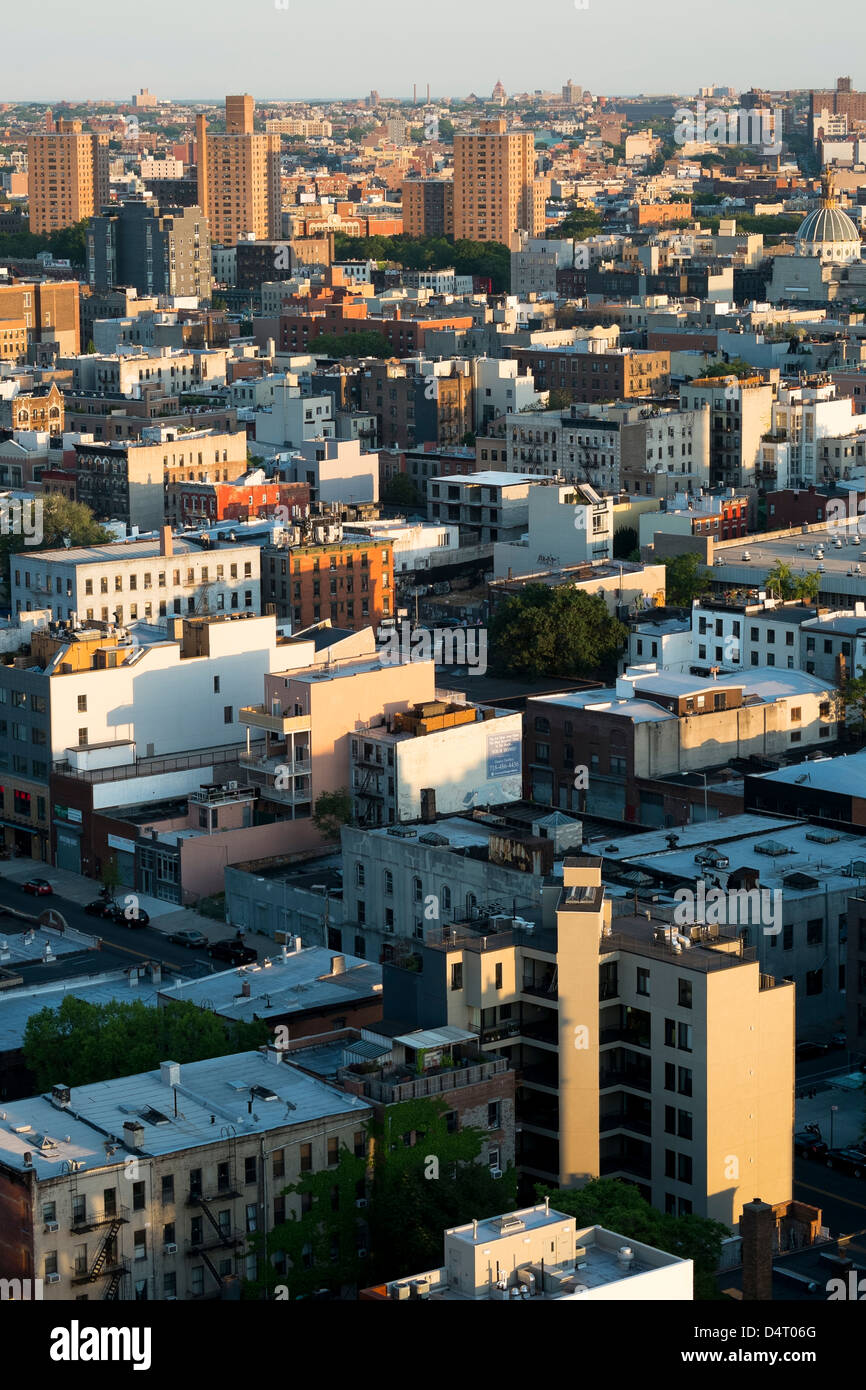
x: 618, y: 47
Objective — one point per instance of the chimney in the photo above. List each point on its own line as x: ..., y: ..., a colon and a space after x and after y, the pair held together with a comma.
x: 757, y: 1227
x: 245, y: 989
x: 133, y: 1134
x: 428, y: 805
x: 169, y: 1073
x: 166, y: 545
x: 60, y: 1094
x: 338, y: 965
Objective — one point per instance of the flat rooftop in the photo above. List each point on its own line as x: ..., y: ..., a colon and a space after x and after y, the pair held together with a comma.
x: 844, y: 776
x: 294, y: 983
x: 210, y: 1094
x: 18, y: 1005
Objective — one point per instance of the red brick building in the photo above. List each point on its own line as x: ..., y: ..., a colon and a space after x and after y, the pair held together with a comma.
x: 239, y: 501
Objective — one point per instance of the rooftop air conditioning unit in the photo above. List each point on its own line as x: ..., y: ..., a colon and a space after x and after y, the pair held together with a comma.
x: 361, y: 1202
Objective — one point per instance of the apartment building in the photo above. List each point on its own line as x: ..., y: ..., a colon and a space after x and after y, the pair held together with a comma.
x: 589, y: 372
x: 159, y: 251
x: 668, y: 1065
x: 243, y: 499
x: 734, y: 636
x: 131, y: 373
x: 291, y: 418
x: 568, y: 524
x: 415, y: 403
x: 135, y: 480
x: 492, y: 505
x: 705, y: 517
x: 805, y: 420
x: 780, y: 884
x: 39, y: 408
x: 496, y: 191
x: 428, y: 207
x: 308, y: 717
x: 436, y: 758
x: 659, y: 724
x: 49, y: 312
x: 157, y: 1194
x: 137, y: 581
x: 238, y: 177
x: 67, y: 176
x: 335, y: 470
x: 740, y: 415
x: 349, y: 583
x: 539, y: 1252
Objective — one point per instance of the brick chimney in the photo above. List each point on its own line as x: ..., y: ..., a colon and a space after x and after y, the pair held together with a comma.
x: 757, y: 1228
x: 166, y: 544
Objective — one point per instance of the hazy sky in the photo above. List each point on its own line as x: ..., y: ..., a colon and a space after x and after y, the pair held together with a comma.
x: 204, y: 48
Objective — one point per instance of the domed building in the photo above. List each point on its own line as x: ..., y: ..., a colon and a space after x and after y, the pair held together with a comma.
x: 828, y: 232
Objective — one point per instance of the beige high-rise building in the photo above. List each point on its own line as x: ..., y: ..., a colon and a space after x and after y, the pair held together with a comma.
x: 68, y: 176
x: 647, y: 1052
x: 496, y: 191
x: 239, y: 177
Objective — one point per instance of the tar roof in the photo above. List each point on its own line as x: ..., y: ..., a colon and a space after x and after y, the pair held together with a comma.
x: 244, y: 1093
x: 300, y: 981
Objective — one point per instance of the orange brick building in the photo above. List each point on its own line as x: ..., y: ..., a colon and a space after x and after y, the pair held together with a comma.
x: 351, y: 583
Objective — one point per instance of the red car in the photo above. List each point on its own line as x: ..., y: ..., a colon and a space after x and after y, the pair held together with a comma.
x: 40, y: 887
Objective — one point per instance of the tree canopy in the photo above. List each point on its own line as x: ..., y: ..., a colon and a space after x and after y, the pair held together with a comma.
x: 558, y: 631
x: 685, y: 578
x: 332, y: 809
x: 66, y: 244
x: 60, y: 519
x: 368, y: 343
x: 784, y: 584
x: 619, y: 1207
x: 487, y: 259
x: 80, y: 1043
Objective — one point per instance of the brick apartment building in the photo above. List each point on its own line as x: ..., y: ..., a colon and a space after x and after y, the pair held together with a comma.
x: 350, y: 582
x: 624, y: 374
x: 410, y: 412
x: 236, y: 501
x: 48, y: 310
x: 428, y: 207
x: 67, y: 176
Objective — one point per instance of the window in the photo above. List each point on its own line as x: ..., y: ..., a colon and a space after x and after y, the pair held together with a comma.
x: 139, y: 1242
x: 815, y: 931
x: 216, y: 685
x: 167, y: 1189
x: 684, y: 1124
x: 279, y: 1163
x: 333, y: 1151
x: 306, y: 1161
x: 684, y: 1169
x: 684, y: 1037
x: 82, y: 704
x: 359, y: 875
x: 138, y: 1197
x: 493, y: 1115
x: 168, y: 1233
x: 228, y: 714
x: 684, y: 1081
x: 643, y: 979
x: 670, y: 1163
x: 670, y: 1119
x: 498, y: 975
x: 670, y: 1076
x: 457, y: 975
x: 670, y: 1032
x: 251, y: 1216
x: 250, y: 1169
x: 814, y: 982
x: 684, y: 994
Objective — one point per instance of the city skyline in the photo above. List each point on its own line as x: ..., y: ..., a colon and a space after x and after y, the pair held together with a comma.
x: 621, y: 48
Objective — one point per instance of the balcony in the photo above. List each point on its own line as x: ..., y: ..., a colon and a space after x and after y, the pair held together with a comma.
x: 257, y: 717
x: 93, y: 1223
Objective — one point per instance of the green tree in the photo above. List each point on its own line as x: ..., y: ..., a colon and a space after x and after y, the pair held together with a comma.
x: 619, y: 1207
x: 685, y: 578
x: 558, y: 631
x: 111, y: 875
x: 780, y: 581
x: 625, y: 543
x: 737, y: 368
x: 852, y: 695
x: 61, y: 519
x: 366, y: 344
x: 401, y: 491
x: 807, y: 587
x: 81, y: 1043
x: 559, y: 399
x: 332, y: 809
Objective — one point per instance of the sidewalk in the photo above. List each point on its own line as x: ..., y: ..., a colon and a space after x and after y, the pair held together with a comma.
x: 164, y: 917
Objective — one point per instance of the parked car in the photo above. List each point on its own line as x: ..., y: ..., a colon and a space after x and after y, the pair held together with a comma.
x: 804, y: 1051
x: 98, y: 908
x: 135, y: 917
x: 850, y: 1161
x: 191, y: 939
x: 40, y: 887
x: 839, y: 1041
x: 234, y: 952
x: 808, y: 1144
